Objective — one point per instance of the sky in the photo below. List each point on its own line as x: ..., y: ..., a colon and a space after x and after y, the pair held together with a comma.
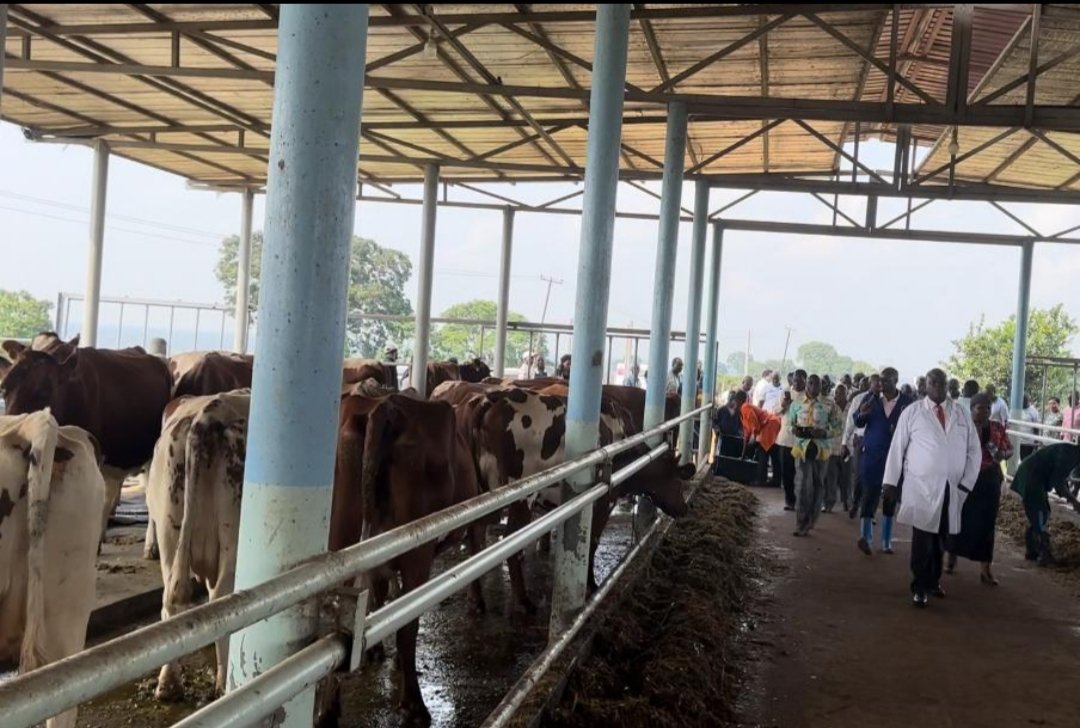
x: 895, y: 303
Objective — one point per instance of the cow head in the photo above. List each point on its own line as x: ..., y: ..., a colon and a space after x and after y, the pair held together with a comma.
x: 36, y: 381
x: 662, y: 480
x: 14, y: 349
x: 474, y: 371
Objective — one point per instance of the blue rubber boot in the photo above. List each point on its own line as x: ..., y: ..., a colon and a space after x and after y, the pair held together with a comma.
x: 866, y: 536
x: 886, y: 534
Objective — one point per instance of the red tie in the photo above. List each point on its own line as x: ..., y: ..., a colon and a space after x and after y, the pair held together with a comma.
x: 940, y: 415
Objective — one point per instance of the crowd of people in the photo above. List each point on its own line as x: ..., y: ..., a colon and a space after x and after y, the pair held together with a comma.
x: 929, y: 454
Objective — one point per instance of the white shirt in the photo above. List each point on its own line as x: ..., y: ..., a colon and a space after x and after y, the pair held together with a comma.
x: 786, y: 438
x: 758, y: 394
x: 850, y: 430
x: 999, y: 411
x: 930, y: 456
x: 1031, y: 414
x: 773, y: 394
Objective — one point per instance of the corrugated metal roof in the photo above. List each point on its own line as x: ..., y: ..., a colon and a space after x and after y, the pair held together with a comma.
x: 209, y: 120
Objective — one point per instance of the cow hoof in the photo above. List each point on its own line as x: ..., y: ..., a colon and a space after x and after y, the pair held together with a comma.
x: 170, y: 691
x: 415, y: 715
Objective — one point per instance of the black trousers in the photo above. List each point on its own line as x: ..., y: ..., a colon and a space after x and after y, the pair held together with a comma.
x: 787, y: 465
x: 928, y: 551
x: 763, y: 460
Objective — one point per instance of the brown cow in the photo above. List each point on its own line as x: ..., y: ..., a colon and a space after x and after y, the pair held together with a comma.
x: 199, y: 374
x: 514, y: 433
x: 451, y: 371
x: 357, y: 370
x: 399, y: 459
x: 116, y: 396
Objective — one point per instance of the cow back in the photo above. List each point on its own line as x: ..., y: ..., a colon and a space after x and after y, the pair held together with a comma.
x: 357, y: 370
x: 213, y: 373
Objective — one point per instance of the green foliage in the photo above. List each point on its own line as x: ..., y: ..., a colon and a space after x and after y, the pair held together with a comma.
x: 463, y: 341
x: 985, y: 353
x: 22, y: 316
x: 377, y: 278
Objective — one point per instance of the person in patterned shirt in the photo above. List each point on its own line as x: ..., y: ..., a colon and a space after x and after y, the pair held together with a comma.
x: 815, y: 422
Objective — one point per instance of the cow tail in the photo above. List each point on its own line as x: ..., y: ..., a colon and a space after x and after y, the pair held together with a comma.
x: 377, y: 440
x: 180, y: 574
x: 44, y: 434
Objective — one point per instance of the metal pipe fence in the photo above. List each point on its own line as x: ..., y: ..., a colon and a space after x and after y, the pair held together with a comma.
x: 54, y: 688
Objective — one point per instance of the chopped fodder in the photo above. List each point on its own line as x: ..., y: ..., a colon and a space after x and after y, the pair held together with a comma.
x: 669, y: 653
x: 1064, y: 540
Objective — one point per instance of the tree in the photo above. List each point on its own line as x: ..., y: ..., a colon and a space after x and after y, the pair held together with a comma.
x: 463, y: 340
x: 22, y: 316
x: 985, y: 353
x: 377, y: 278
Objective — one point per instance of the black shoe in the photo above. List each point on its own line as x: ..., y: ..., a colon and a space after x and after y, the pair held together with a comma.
x: 938, y: 592
x: 919, y: 599
x: 789, y: 508
x: 864, y: 546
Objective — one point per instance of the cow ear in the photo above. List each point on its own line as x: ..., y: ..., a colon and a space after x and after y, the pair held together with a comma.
x: 74, y: 340
x: 686, y: 471
x: 13, y: 349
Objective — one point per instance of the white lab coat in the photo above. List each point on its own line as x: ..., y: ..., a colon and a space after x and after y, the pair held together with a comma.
x: 929, y: 457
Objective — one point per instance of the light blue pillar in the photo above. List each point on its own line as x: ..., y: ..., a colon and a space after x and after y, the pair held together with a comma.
x: 712, y: 312
x: 591, y: 303
x: 92, y: 300
x: 666, y: 253
x: 311, y: 198
x: 1023, y: 301
x: 424, y: 279
x: 503, y: 311
x: 693, y: 316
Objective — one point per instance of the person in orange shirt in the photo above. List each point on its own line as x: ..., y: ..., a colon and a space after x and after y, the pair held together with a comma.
x: 760, y: 428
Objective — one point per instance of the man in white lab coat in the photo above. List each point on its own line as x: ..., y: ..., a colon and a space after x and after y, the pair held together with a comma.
x: 936, y: 449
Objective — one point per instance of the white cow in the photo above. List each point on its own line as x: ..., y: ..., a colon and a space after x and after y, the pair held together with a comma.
x: 51, y: 491
x: 193, y: 495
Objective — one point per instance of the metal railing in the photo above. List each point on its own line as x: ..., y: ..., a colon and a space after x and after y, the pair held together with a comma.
x: 1020, y: 429
x: 59, y: 686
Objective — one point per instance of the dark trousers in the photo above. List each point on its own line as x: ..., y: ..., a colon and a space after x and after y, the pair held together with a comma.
x: 763, y: 460
x: 1026, y: 450
x: 787, y: 466
x: 928, y: 551
x: 1036, y: 535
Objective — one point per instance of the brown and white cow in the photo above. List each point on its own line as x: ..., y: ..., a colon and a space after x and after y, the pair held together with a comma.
x: 400, y: 458
x: 49, y: 482
x: 357, y: 370
x: 515, y: 433
x: 116, y: 396
x: 210, y: 372
x: 193, y: 495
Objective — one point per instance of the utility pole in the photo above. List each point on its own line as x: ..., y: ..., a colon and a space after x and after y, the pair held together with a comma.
x: 783, y: 361
x: 543, y: 317
x: 746, y: 358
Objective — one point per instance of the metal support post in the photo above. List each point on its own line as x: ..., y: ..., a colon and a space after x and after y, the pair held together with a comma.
x: 503, y: 310
x: 3, y: 41
x: 712, y: 312
x: 591, y: 300
x: 1023, y: 301
x: 666, y: 253
x: 243, y: 273
x: 310, y: 210
x: 88, y: 335
x: 424, y: 276
x: 693, y: 317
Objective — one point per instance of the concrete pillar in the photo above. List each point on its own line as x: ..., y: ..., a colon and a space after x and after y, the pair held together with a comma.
x: 243, y: 273
x: 91, y: 304
x: 424, y: 276
x: 693, y: 316
x: 1023, y: 302
x: 503, y: 310
x: 591, y: 301
x: 3, y: 40
x: 310, y: 209
x: 666, y: 254
x: 712, y: 313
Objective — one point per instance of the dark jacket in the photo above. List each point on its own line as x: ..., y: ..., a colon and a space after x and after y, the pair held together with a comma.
x: 878, y: 435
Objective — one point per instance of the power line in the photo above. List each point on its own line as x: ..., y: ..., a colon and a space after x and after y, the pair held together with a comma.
x: 116, y: 228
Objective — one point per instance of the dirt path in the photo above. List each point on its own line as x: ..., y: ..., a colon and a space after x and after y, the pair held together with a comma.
x: 839, y: 644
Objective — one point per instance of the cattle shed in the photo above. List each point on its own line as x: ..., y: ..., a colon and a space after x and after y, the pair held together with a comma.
x: 321, y: 106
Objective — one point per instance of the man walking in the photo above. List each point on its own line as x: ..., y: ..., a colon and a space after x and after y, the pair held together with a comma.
x: 937, y: 451
x: 786, y: 440
x: 758, y: 397
x: 999, y: 408
x: 633, y: 379
x: 838, y: 477
x: 878, y: 414
x: 674, y: 378
x: 852, y: 440
x: 814, y: 423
